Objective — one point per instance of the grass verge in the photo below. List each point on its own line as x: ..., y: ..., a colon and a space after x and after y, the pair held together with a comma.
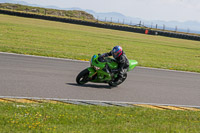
x: 47, y: 117
x: 56, y: 39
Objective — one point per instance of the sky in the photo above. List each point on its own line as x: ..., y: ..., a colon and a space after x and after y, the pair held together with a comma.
x: 167, y: 10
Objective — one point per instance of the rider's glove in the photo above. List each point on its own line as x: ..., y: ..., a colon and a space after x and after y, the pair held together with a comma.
x: 105, y: 55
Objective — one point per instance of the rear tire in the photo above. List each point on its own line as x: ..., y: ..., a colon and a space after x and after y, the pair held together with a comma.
x: 82, y: 77
x: 124, y: 77
x: 115, y: 82
x: 112, y: 84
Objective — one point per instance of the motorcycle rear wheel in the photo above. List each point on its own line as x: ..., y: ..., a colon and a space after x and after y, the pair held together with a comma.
x: 114, y: 84
x: 82, y: 77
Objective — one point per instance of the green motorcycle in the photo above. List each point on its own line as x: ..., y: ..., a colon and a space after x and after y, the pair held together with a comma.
x: 100, y: 71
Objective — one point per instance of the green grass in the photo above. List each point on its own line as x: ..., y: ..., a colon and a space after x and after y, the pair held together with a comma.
x: 91, y: 119
x: 56, y: 39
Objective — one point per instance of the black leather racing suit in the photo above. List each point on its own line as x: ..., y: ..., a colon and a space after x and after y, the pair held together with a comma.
x: 123, y: 63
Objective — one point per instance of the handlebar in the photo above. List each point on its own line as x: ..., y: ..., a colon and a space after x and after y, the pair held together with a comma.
x: 101, y: 59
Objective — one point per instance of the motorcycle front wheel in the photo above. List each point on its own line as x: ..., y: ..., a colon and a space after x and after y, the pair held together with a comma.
x: 82, y: 77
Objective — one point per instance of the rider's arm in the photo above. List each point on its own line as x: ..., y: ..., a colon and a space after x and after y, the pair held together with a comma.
x: 121, y: 64
x: 106, y: 54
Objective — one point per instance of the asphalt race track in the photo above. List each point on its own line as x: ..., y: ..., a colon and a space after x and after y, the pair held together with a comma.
x: 29, y: 76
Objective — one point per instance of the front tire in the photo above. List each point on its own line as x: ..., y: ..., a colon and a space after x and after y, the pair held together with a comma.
x: 82, y: 77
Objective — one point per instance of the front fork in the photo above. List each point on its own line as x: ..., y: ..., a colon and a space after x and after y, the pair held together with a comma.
x: 92, y: 72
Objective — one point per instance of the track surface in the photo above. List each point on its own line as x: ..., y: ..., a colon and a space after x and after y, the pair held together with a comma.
x: 27, y: 76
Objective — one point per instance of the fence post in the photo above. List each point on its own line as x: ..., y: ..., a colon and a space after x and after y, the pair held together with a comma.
x: 97, y: 19
x: 156, y: 26
x: 188, y: 30
x: 176, y: 28
x: 163, y: 27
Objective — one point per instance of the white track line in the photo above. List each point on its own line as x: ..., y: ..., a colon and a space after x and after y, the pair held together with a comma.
x: 44, y: 57
x: 120, y: 102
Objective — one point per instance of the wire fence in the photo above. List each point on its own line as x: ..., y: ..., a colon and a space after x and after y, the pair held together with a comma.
x: 147, y: 24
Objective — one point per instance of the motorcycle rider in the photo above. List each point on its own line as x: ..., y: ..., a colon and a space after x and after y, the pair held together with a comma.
x: 121, y: 59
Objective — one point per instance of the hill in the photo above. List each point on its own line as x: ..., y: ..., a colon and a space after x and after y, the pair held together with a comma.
x: 48, y: 11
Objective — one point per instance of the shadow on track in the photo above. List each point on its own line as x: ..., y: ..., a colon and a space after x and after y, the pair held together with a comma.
x: 91, y: 86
